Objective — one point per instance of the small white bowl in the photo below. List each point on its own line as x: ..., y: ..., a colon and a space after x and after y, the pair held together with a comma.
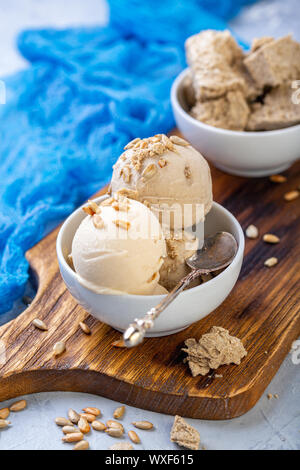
x: 251, y: 154
x: 190, y: 306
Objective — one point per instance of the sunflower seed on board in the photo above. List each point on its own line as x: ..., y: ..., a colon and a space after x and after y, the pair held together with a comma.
x: 270, y: 238
x: 114, y: 432
x: 110, y: 423
x: 63, y: 421
x: 81, y: 445
x: 4, y: 423
x: 119, y: 412
x: 251, y: 231
x: 143, y: 425
x: 98, y: 425
x: 134, y: 437
x: 291, y: 195
x: 18, y: 405
x: 74, y: 416
x: 38, y: 323
x: 59, y: 348
x: 92, y: 410
x: 83, y: 425
x: 86, y: 329
x: 73, y: 437
x: 271, y: 262
x: 69, y: 429
x: 4, y: 413
x: 88, y: 416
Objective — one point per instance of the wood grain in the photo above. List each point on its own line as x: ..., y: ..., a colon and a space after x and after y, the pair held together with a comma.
x: 262, y: 310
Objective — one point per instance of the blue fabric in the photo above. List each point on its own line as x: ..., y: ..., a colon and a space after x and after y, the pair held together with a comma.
x: 86, y: 93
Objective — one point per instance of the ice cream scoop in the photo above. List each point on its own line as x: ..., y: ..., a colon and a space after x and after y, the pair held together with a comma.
x: 119, y: 248
x: 167, y: 174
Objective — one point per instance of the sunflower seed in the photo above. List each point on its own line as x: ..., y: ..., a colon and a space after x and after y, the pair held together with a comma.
x: 92, y: 410
x: 63, y: 421
x: 4, y: 423
x: 81, y: 445
x: 143, y: 425
x: 86, y: 329
x: 69, y: 429
x: 131, y: 143
x: 119, y: 412
x: 4, y: 413
x: 162, y: 162
x: 178, y: 141
x: 252, y: 231
x: 73, y: 415
x: 121, y: 446
x: 270, y: 238
x: 88, y: 416
x: 83, y: 425
x: 40, y: 324
x: 18, y: 405
x: 271, y: 262
x: 114, y: 432
x: 114, y: 424
x: 98, y: 221
x: 73, y: 437
x: 59, y: 348
x: 98, y: 426
x: 278, y: 178
x: 122, y: 224
x: 118, y: 344
x: 134, y: 437
x: 149, y: 171
x: 291, y: 195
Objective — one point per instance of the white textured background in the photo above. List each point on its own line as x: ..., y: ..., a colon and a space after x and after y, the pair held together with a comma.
x: 271, y: 424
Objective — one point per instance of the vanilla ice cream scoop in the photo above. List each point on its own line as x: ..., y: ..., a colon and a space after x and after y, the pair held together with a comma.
x: 119, y: 248
x: 168, y: 174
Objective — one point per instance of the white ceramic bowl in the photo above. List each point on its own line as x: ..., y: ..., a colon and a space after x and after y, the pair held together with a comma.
x: 251, y: 154
x: 190, y: 306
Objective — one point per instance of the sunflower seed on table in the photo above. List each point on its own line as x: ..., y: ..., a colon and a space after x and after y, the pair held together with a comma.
x: 270, y: 238
x: 92, y: 410
x: 291, y: 195
x: 63, y: 421
x: 110, y: 423
x: 118, y: 344
x: 4, y: 413
x: 278, y: 178
x: 81, y: 445
x: 88, y: 416
x: 98, y: 425
x: 134, y: 437
x: 85, y: 328
x: 59, y: 348
x: 4, y: 423
x: 74, y: 416
x: 251, y: 231
x: 119, y: 412
x: 69, y: 429
x: 73, y: 437
x: 271, y: 262
x: 18, y: 405
x: 83, y: 425
x: 38, y: 323
x: 145, y: 425
x: 114, y: 432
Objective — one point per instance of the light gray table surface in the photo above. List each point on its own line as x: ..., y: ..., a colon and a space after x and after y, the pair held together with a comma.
x: 272, y: 423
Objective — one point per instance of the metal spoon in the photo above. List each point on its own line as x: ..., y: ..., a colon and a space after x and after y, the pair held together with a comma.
x: 216, y: 253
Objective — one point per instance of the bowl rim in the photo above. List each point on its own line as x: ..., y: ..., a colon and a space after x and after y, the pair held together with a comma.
x: 177, y: 83
x: 158, y: 297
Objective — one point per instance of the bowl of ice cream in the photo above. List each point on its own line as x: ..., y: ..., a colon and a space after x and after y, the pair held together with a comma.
x: 119, y: 258
x: 241, y: 111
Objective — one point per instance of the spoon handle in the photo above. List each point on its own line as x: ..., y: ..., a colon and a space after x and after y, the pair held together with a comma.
x: 136, y: 331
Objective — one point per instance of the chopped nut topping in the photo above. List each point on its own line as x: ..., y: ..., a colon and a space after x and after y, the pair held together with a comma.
x: 162, y: 162
x: 291, y: 195
x: 130, y: 193
x: 92, y: 208
x: 187, y: 172
x: 178, y: 141
x: 184, y: 434
x: 108, y: 202
x: 109, y: 189
x: 270, y: 238
x: 122, y: 224
x: 252, y: 231
x: 126, y: 173
x: 98, y: 221
x: 215, y: 348
x: 149, y: 171
x: 271, y: 262
x: 278, y: 178
x: 131, y: 143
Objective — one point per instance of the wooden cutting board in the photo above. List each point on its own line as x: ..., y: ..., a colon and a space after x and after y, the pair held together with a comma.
x: 262, y: 310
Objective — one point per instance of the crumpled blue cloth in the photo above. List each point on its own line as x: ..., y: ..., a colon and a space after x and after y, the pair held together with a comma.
x: 68, y: 116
